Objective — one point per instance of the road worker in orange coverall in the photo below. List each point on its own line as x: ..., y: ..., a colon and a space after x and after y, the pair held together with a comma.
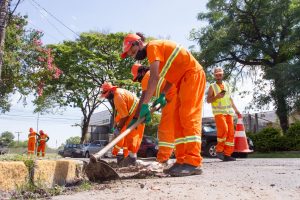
x: 222, y: 105
x: 177, y: 66
x: 165, y: 131
x: 32, y: 136
x: 125, y: 103
x: 42, y: 139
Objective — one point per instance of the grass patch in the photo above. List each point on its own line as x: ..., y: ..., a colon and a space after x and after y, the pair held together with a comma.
x: 85, y: 185
x: 278, y: 154
x: 22, y: 157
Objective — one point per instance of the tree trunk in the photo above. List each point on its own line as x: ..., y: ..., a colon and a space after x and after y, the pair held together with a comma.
x: 3, y: 21
x: 84, y: 131
x: 282, y: 110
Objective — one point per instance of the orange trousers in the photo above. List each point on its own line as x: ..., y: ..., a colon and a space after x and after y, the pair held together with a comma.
x: 41, y: 148
x: 31, y: 145
x: 225, y: 134
x: 188, y: 118
x: 166, y: 130
x: 132, y: 141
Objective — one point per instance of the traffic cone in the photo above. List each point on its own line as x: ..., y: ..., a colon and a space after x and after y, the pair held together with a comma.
x: 240, y: 139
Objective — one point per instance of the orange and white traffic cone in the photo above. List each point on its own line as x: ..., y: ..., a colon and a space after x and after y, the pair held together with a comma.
x: 240, y: 139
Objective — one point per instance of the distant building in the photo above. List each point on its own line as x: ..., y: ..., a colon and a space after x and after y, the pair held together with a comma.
x: 257, y: 121
x: 99, y: 126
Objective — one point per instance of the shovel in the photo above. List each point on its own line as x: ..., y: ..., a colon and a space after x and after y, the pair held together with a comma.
x: 98, y: 169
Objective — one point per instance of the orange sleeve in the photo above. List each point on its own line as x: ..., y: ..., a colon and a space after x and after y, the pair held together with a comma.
x: 154, y: 52
x: 121, y: 105
x: 145, y: 81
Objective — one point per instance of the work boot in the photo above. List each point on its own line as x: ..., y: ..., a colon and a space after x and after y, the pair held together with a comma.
x: 128, y: 161
x: 120, y: 159
x: 220, y: 155
x: 186, y: 170
x: 172, y: 168
x: 229, y: 158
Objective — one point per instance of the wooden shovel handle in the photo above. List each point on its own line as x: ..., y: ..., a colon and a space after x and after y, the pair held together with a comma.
x: 99, y: 154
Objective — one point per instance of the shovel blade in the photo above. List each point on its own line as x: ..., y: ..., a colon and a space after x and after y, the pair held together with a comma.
x: 100, y: 171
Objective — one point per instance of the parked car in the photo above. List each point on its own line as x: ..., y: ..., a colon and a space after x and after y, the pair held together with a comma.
x: 72, y: 150
x: 95, y: 147
x: 149, y: 147
x: 209, y: 142
x: 3, y: 149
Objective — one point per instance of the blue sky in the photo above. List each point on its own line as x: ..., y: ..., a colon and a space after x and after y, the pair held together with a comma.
x: 172, y: 19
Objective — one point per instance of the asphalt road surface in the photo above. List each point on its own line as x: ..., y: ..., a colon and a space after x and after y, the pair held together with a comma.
x: 269, y: 179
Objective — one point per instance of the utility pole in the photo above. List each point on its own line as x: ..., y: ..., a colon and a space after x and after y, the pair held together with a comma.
x: 37, y: 122
x: 3, y: 21
x: 18, y: 132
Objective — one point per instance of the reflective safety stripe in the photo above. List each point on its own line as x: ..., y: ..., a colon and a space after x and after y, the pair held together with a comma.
x: 221, y: 107
x: 133, y: 107
x: 117, y: 147
x: 231, y: 144
x: 158, y: 87
x: 166, y: 144
x: 194, y: 138
x: 30, y: 151
x: 31, y: 137
x: 125, y: 148
x: 179, y: 141
x: 188, y: 139
x: 221, y: 139
x: 169, y: 61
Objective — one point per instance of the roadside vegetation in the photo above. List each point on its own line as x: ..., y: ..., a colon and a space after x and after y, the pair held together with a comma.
x: 272, y: 142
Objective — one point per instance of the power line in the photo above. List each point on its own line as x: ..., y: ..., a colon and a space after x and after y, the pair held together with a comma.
x: 53, y: 37
x: 41, y: 117
x: 49, y: 21
x: 55, y: 18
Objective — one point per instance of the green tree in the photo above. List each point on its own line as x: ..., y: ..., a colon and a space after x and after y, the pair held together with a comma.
x: 7, y: 137
x: 85, y: 63
x: 22, y: 71
x: 257, y: 36
x: 73, y: 140
x: 151, y: 128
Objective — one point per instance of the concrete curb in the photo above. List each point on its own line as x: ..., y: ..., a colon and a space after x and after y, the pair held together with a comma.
x: 45, y: 173
x: 12, y: 175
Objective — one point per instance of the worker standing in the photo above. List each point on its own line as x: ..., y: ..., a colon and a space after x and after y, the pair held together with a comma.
x: 32, y: 136
x: 177, y: 66
x: 125, y: 103
x: 42, y: 140
x: 165, y: 131
x: 222, y: 105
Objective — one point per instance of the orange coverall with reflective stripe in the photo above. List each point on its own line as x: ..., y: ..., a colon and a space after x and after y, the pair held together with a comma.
x: 166, y: 125
x: 31, y: 142
x: 42, y: 144
x: 225, y: 132
x: 188, y: 76
x: 123, y: 101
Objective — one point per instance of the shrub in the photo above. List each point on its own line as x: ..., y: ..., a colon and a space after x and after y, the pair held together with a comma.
x: 268, y: 139
x: 293, y: 134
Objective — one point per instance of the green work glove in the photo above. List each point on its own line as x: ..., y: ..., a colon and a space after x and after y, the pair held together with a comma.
x: 112, y: 130
x: 132, y: 122
x: 145, y: 112
x: 160, y: 100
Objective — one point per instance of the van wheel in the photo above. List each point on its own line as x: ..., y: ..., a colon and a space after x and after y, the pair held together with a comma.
x: 87, y: 155
x: 239, y: 155
x: 150, y: 153
x: 210, y: 150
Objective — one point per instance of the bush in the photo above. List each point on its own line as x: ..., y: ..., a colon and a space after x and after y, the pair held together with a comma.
x: 269, y: 139
x: 293, y: 134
